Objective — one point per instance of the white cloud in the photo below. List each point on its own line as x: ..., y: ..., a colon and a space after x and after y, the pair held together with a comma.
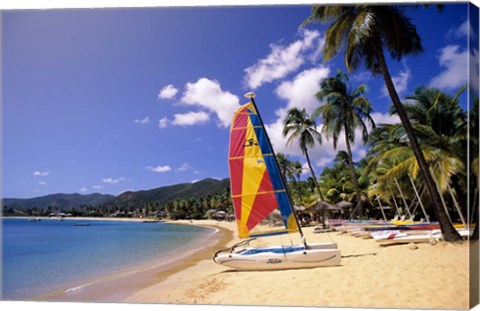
x: 111, y: 180
x: 159, y: 169
x: 465, y: 29
x: 400, y: 82
x: 209, y: 95
x: 43, y: 183
x: 283, y: 60
x: 361, y: 77
x: 187, y: 167
x: 474, y: 69
x: 168, y: 92
x: 190, y: 118
x: 163, y: 123
x: 96, y: 187
x: 300, y: 92
x: 386, y: 118
x: 454, y: 62
x: 38, y: 173
x: 145, y: 120
x: 83, y: 189
x: 184, y: 167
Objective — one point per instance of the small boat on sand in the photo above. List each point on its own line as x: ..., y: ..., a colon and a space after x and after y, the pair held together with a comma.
x: 259, y: 192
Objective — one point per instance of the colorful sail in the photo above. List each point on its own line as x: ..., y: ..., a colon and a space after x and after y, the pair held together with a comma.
x: 257, y: 187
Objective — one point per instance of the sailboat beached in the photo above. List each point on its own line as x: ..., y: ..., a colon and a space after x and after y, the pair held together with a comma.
x: 259, y: 192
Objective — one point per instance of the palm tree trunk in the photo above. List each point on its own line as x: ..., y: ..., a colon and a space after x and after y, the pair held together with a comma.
x: 359, y: 206
x: 299, y: 189
x: 448, y: 231
x: 316, y: 185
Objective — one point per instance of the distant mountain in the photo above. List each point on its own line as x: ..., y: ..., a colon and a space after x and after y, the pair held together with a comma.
x: 165, y: 194
x: 58, y: 201
x: 161, y: 195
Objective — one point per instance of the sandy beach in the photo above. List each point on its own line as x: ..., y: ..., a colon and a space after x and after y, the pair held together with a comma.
x: 370, y: 276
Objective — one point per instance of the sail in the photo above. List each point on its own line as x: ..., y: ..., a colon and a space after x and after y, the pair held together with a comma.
x: 257, y: 187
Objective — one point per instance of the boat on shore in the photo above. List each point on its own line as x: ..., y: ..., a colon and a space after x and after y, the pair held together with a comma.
x: 258, y: 192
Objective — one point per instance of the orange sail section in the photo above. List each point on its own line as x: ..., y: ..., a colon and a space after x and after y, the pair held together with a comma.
x: 257, y: 187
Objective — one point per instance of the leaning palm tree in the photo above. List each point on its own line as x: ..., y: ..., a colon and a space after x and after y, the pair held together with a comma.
x: 302, y: 128
x: 344, y: 111
x: 365, y: 31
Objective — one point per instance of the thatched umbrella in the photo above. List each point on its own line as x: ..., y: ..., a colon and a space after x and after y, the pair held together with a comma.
x: 321, y: 205
x: 344, y: 204
x: 299, y: 208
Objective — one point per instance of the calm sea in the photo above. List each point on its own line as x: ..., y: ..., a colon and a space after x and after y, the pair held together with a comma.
x: 48, y: 255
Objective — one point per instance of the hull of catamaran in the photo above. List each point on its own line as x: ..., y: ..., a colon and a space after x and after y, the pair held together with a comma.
x: 281, y: 257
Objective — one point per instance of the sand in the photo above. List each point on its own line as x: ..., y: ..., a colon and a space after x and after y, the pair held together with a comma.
x: 370, y: 276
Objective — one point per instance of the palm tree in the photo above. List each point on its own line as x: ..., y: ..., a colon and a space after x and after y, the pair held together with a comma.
x: 284, y: 163
x: 336, y: 180
x: 440, y: 125
x: 473, y: 156
x: 440, y: 122
x: 365, y: 31
x: 297, y: 170
x: 344, y: 111
x: 302, y: 128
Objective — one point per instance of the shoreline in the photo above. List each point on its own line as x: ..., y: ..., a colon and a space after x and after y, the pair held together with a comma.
x: 117, y: 287
x: 114, y: 287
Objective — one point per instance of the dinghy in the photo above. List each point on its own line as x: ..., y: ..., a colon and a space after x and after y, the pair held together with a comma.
x: 259, y: 191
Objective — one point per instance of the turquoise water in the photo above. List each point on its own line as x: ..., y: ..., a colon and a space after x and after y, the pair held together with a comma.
x: 49, y: 255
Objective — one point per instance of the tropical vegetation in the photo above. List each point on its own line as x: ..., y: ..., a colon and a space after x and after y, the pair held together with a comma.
x: 365, y: 32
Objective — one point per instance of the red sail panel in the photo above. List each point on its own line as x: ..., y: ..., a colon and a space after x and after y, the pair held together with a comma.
x: 264, y: 204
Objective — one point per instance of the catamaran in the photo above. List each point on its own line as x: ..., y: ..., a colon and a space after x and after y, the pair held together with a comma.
x: 258, y: 192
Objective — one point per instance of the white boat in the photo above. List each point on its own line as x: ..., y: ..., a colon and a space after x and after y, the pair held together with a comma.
x: 391, y: 237
x: 280, y: 257
x: 258, y: 190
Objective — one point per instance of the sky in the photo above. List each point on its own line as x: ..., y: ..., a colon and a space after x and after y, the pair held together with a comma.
x: 110, y: 100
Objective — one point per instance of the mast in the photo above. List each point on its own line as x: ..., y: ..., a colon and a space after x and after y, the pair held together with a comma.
x: 251, y: 96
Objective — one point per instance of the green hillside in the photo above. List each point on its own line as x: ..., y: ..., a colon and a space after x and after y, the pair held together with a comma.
x: 166, y: 194
x: 58, y: 201
x: 160, y: 195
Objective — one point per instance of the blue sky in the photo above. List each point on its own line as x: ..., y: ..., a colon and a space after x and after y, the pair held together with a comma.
x: 108, y: 100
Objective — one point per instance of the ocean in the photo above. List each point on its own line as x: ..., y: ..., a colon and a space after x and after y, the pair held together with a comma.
x: 51, y: 255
